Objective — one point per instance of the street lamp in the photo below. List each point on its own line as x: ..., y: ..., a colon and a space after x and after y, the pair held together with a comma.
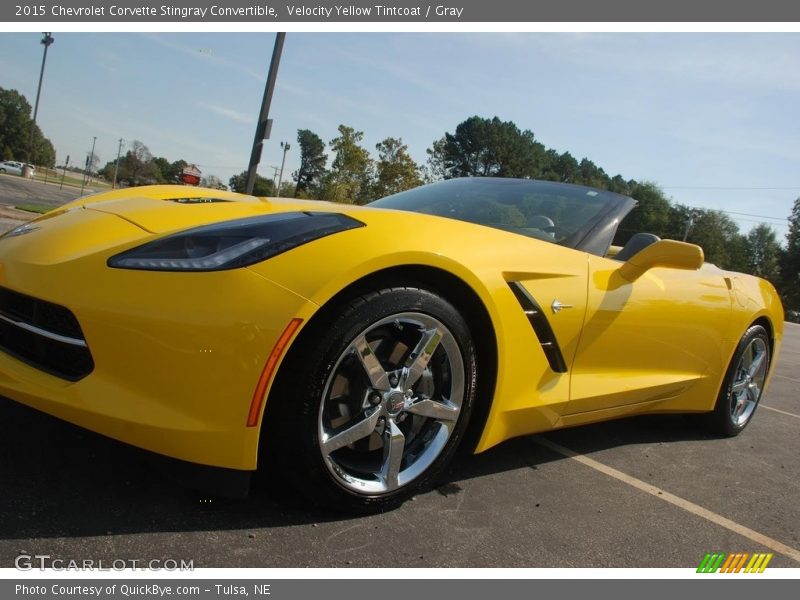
x: 46, y: 40
x: 285, y: 146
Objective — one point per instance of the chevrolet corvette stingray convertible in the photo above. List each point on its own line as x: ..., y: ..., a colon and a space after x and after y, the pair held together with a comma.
x: 348, y: 350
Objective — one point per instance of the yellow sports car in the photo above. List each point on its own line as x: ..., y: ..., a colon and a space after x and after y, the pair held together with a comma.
x: 349, y: 350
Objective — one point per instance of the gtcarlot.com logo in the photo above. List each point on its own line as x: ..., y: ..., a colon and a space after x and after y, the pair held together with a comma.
x: 742, y: 562
x: 44, y: 562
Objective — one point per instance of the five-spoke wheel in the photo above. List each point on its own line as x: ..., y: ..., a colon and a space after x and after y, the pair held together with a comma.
x: 391, y: 402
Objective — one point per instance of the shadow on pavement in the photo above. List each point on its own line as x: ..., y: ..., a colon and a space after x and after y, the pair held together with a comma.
x: 58, y: 480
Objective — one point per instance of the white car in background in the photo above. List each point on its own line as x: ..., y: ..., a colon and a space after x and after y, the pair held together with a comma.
x: 15, y: 167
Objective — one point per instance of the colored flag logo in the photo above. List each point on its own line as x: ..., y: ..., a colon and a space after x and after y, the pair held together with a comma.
x: 719, y: 562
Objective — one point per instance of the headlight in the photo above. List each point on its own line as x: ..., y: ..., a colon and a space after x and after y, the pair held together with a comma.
x: 232, y: 244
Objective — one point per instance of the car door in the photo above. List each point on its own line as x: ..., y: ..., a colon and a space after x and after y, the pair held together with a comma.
x: 648, y: 339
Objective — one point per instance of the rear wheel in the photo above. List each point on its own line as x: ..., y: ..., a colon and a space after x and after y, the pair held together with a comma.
x: 744, y: 383
x: 367, y: 411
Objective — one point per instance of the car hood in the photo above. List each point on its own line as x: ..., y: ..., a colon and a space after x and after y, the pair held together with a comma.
x: 165, y: 209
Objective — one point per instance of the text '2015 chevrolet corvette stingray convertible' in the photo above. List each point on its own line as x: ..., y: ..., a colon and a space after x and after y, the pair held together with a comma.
x: 349, y: 349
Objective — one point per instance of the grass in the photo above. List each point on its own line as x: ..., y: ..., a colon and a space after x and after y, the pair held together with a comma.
x: 34, y: 208
x: 72, y: 179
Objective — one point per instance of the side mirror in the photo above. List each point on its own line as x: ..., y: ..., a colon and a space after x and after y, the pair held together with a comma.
x: 664, y: 253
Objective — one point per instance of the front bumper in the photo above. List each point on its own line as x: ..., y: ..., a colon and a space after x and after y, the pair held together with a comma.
x: 176, y: 356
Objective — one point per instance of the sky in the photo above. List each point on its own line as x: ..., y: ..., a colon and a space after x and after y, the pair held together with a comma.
x: 712, y: 118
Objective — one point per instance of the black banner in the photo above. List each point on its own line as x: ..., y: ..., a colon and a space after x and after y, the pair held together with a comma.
x: 389, y: 589
x: 397, y: 11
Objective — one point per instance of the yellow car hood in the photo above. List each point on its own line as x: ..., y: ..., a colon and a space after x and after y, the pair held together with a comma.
x: 168, y: 208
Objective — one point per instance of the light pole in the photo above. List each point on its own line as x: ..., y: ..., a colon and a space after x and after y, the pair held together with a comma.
x: 89, y: 160
x: 264, y: 122
x: 46, y: 40
x: 116, y: 165
x: 285, y: 146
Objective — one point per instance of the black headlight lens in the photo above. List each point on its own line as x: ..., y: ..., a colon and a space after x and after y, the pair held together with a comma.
x: 233, y: 244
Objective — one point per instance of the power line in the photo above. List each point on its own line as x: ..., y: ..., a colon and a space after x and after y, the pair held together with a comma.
x: 730, y: 212
x: 725, y: 188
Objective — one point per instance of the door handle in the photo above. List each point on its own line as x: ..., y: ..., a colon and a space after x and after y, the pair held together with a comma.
x: 557, y: 306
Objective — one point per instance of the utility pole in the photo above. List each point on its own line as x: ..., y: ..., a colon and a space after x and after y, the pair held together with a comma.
x: 264, y: 122
x: 689, y: 223
x: 89, y: 160
x: 64, y: 174
x: 116, y: 165
x: 274, y: 175
x: 46, y: 40
x: 285, y: 146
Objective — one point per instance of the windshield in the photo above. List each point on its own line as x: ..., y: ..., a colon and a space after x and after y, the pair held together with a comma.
x: 555, y: 212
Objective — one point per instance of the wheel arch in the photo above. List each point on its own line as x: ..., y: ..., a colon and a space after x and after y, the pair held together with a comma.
x: 447, y: 285
x: 764, y: 321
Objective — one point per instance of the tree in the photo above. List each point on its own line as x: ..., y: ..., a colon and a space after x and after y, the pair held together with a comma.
x: 15, y: 131
x: 712, y: 230
x: 763, y: 251
x: 312, y: 163
x: 136, y: 167
x: 652, y: 214
x: 492, y: 148
x: 351, y: 173
x: 561, y: 167
x: 435, y: 169
x: 396, y: 170
x: 212, y: 181
x: 42, y: 152
x: 790, y: 263
x: 262, y: 186
x: 168, y: 172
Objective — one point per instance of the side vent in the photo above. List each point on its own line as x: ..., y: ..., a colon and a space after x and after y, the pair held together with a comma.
x: 541, y: 327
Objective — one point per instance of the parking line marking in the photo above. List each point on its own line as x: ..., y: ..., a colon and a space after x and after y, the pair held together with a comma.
x: 695, y: 509
x: 783, y: 412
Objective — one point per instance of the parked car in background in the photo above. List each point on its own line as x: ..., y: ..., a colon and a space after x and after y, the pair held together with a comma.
x: 11, y: 166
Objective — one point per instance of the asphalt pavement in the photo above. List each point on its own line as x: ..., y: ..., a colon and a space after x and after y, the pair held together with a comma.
x: 18, y: 191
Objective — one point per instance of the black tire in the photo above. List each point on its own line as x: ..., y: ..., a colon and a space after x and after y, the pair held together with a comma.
x: 358, y: 422
x: 743, y: 385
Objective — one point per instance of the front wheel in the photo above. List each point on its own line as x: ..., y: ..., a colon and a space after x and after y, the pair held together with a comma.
x: 369, y: 408
x: 743, y: 384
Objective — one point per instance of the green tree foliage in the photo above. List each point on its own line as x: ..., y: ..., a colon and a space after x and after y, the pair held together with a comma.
x: 491, y: 148
x: 652, y: 213
x: 261, y: 187
x: 712, y: 230
x: 790, y: 262
x: 312, y: 164
x: 15, y: 131
x: 350, y: 177
x: 166, y: 171
x: 395, y: 170
x: 434, y: 169
x: 763, y: 252
x: 136, y: 167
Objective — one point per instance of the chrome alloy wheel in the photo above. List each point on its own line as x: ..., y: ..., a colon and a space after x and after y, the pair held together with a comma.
x: 745, y: 390
x: 390, y: 403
